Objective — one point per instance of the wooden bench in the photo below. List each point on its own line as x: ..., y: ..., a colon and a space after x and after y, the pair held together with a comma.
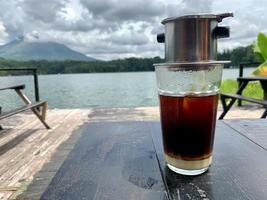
x: 234, y: 97
x: 34, y: 107
x: 243, y: 82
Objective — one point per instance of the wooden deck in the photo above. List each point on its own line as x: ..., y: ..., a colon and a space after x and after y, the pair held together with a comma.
x: 25, y: 145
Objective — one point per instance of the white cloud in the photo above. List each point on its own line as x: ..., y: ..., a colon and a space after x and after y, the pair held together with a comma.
x: 44, y: 11
x: 124, y: 10
x: 111, y: 29
x: 3, y: 34
x: 249, y: 19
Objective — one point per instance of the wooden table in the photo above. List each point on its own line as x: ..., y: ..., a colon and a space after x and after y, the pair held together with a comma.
x: 124, y: 160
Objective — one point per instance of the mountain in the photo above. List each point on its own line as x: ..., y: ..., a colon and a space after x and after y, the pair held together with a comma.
x: 21, y: 50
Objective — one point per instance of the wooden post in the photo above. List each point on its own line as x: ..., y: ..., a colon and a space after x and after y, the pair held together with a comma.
x: 1, y: 128
x: 241, y: 69
x: 35, y: 110
x: 36, y: 85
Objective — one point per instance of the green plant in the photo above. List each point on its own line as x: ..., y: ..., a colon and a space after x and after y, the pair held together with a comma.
x: 260, y: 50
x: 253, y: 89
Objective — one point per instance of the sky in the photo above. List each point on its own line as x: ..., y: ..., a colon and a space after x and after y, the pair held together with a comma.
x: 112, y: 29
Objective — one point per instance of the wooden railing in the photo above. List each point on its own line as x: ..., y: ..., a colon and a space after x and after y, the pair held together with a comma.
x: 35, y: 78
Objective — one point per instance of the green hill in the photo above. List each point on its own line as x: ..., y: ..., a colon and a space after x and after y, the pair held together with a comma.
x: 51, y: 51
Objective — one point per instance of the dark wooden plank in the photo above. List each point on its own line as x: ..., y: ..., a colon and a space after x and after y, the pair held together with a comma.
x: 244, y: 98
x: 253, y: 78
x: 253, y: 129
x: 111, y: 160
x: 19, y: 87
x: 238, y: 170
x: 45, y: 175
x: 21, y: 109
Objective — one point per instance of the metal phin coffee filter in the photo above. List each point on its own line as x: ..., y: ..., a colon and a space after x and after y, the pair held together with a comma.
x: 193, y: 37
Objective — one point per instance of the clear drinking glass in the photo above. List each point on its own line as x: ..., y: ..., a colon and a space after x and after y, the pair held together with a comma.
x: 188, y: 96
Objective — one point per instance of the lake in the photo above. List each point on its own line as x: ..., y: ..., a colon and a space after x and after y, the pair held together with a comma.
x: 92, y: 90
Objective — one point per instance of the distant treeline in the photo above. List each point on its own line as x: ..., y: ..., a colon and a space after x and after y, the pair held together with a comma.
x: 69, y: 66
x: 237, y: 55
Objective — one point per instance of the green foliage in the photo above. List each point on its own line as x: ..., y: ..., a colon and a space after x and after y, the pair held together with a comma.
x: 260, y: 50
x: 253, y: 89
x: 262, y: 44
x: 257, y: 52
x: 238, y: 55
x: 261, y: 70
x: 229, y: 86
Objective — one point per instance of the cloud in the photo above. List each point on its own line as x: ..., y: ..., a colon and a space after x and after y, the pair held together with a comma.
x: 189, y: 7
x: 120, y: 28
x: 128, y: 39
x: 34, y: 35
x: 249, y: 19
x: 127, y: 10
x: 3, y: 34
x: 44, y: 11
x: 11, y: 16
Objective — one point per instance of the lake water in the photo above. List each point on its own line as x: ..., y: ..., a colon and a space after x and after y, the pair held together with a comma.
x: 92, y: 90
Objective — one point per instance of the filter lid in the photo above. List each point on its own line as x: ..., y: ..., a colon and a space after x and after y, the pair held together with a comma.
x: 218, y: 17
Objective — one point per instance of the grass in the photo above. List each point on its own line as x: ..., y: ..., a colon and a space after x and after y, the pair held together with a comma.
x: 253, y: 89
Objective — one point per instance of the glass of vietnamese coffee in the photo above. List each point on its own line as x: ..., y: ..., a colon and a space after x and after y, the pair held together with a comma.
x: 188, y: 97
